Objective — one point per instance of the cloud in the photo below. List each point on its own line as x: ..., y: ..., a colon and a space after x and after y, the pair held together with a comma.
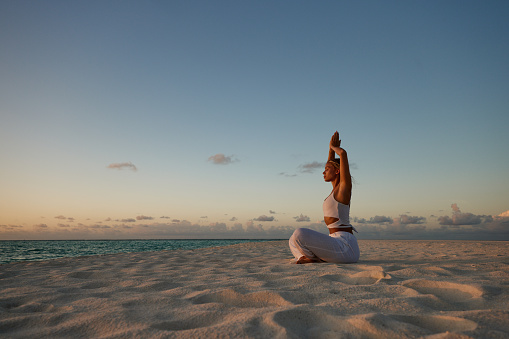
x: 392, y: 231
x: 403, y: 227
x: 458, y: 218
x: 272, y: 212
x: 99, y: 227
x: 302, y: 218
x: 187, y: 230
x: 165, y: 217
x: 407, y: 220
x: 11, y: 227
x: 379, y: 219
x: 237, y: 227
x: 311, y: 167
x: 221, y: 159
x: 499, y: 223
x: 504, y: 214
x: 123, y: 165
x: 143, y: 217
x: 264, y: 218
x: 252, y: 228
x: 458, y: 226
x: 61, y: 217
x: 218, y: 227
x: 493, y: 228
x: 287, y: 175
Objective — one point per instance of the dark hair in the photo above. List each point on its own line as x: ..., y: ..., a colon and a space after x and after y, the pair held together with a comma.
x: 335, y: 162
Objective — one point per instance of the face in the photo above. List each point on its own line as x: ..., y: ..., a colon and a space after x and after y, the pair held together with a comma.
x: 330, y: 173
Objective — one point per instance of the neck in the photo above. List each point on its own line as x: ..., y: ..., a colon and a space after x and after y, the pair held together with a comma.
x: 335, y: 183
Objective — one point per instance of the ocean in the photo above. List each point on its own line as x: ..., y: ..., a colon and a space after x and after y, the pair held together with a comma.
x: 35, y: 250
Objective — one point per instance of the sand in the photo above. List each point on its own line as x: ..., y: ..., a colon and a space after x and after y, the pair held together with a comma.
x: 399, y: 289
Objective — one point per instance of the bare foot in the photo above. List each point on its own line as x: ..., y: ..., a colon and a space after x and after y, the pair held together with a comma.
x: 305, y: 260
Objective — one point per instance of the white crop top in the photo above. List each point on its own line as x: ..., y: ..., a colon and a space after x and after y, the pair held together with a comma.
x: 335, y: 209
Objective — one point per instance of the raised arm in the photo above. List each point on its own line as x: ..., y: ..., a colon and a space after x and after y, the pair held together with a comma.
x: 334, y: 141
x: 344, y: 193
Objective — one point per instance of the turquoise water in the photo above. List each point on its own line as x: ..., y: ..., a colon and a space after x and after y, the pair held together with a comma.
x: 33, y: 250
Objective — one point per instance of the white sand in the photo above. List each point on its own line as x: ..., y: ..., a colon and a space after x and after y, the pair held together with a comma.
x: 399, y: 289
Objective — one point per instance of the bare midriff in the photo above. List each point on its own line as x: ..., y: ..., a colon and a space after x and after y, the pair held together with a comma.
x: 331, y: 220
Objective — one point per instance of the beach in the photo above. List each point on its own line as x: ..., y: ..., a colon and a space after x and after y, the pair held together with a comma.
x: 398, y: 289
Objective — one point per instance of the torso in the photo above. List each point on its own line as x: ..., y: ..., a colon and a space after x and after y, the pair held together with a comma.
x: 330, y: 220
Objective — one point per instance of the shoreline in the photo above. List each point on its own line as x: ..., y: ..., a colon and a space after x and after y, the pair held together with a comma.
x: 399, y: 289
x: 41, y: 250
x: 190, y: 240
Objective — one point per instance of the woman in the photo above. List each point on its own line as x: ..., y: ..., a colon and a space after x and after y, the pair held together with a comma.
x: 340, y: 246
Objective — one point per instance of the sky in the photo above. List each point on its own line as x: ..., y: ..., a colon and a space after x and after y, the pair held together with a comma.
x: 212, y: 119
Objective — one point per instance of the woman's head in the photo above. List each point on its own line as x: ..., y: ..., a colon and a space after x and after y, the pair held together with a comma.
x: 331, y: 171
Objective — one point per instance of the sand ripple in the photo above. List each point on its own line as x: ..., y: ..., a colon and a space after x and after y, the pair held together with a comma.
x: 399, y: 289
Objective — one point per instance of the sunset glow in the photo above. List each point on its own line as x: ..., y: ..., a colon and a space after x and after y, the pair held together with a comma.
x: 212, y: 119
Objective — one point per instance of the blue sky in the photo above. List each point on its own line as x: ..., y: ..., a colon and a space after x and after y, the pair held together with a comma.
x: 418, y: 91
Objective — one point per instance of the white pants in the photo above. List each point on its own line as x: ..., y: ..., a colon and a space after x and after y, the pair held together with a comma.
x: 338, y: 247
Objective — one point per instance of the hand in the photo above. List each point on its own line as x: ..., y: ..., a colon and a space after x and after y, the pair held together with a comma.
x: 334, y: 141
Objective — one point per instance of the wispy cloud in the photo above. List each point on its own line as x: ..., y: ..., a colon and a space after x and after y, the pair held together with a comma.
x: 123, y: 165
x: 221, y: 159
x: 310, y: 167
x: 378, y: 219
x: 143, y: 217
x: 10, y: 227
x: 61, y: 217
